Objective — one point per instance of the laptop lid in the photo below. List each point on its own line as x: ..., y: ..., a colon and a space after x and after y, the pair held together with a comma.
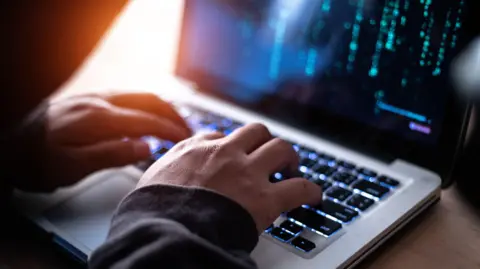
x: 371, y: 75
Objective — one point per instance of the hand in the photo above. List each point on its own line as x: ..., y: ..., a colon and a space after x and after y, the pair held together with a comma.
x: 93, y: 132
x: 238, y: 167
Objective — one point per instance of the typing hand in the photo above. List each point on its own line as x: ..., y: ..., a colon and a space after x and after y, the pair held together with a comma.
x: 238, y: 167
x: 93, y: 132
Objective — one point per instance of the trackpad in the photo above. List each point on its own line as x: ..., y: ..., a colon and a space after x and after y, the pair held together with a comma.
x: 86, y: 217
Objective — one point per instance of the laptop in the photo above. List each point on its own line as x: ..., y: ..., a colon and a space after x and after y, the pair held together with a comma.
x: 360, y: 89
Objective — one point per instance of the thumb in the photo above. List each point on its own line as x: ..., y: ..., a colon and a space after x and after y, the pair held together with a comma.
x: 293, y: 193
x: 112, y: 154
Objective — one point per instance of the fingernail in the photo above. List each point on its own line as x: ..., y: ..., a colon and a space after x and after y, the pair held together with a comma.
x: 141, y: 149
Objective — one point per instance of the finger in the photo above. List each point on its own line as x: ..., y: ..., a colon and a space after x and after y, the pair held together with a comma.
x: 250, y: 137
x: 293, y: 193
x: 210, y: 136
x: 135, y: 123
x: 274, y: 156
x: 148, y: 102
x: 111, y: 154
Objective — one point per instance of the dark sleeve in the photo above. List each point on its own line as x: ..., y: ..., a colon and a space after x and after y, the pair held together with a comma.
x: 24, y: 144
x: 176, y: 227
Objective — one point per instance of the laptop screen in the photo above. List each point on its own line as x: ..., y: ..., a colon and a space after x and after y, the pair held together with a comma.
x: 326, y: 64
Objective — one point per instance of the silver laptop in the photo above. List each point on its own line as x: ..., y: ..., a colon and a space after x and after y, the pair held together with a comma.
x: 361, y: 90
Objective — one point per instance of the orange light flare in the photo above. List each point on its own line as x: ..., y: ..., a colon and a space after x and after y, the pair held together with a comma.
x: 137, y: 53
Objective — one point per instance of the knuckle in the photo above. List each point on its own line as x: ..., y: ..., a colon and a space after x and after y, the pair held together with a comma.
x: 191, y: 150
x: 210, y: 136
x: 81, y: 106
x: 260, y: 128
x: 87, y: 104
x: 285, y: 148
x: 190, y: 143
x: 197, y: 149
x: 93, y: 95
x: 282, y: 144
x: 182, y: 144
x: 92, y: 110
x: 225, y: 149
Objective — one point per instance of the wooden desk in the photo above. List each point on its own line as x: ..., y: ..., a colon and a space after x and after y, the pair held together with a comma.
x: 135, y: 55
x: 446, y: 236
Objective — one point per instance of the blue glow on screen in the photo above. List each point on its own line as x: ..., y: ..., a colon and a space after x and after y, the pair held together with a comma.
x: 368, y: 60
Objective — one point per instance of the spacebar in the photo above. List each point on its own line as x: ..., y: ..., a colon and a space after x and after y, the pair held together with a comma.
x: 314, y: 221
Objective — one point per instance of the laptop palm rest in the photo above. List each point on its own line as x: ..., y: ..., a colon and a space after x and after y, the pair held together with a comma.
x: 86, y: 216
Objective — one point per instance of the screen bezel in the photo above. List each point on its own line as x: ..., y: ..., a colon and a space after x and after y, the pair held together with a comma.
x: 381, y: 144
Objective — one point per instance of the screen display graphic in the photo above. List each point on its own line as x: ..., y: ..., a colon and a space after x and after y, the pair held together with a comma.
x: 380, y: 63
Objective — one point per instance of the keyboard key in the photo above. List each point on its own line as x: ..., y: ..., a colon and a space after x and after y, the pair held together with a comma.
x: 371, y: 188
x: 153, y: 143
x: 305, y: 154
x: 389, y: 181
x: 303, y: 148
x: 184, y: 111
x: 326, y: 157
x: 291, y: 227
x: 226, y: 122
x: 281, y: 234
x: 161, y: 151
x: 338, y: 193
x: 346, y: 165
x: 276, y: 177
x: 366, y: 172
x: 338, y: 211
x: 168, y: 144
x: 296, y: 147
x: 360, y: 202
x: 315, y: 221
x: 345, y: 178
x: 212, y: 127
x: 303, y: 244
x: 221, y: 128
x: 322, y: 183
x: 206, y: 120
x: 307, y: 162
x: 228, y: 131
x: 235, y: 126
x: 324, y: 170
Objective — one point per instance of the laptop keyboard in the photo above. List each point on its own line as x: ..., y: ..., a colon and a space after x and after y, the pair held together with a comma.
x: 349, y: 189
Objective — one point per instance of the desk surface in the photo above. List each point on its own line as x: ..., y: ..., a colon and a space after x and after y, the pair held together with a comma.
x: 135, y: 54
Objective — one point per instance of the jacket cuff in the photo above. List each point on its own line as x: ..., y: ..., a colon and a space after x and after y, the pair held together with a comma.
x: 205, y: 213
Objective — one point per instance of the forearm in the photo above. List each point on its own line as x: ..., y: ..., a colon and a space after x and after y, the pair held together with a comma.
x: 177, y: 227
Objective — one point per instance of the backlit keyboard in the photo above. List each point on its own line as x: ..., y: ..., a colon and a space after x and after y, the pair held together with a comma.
x: 349, y: 189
